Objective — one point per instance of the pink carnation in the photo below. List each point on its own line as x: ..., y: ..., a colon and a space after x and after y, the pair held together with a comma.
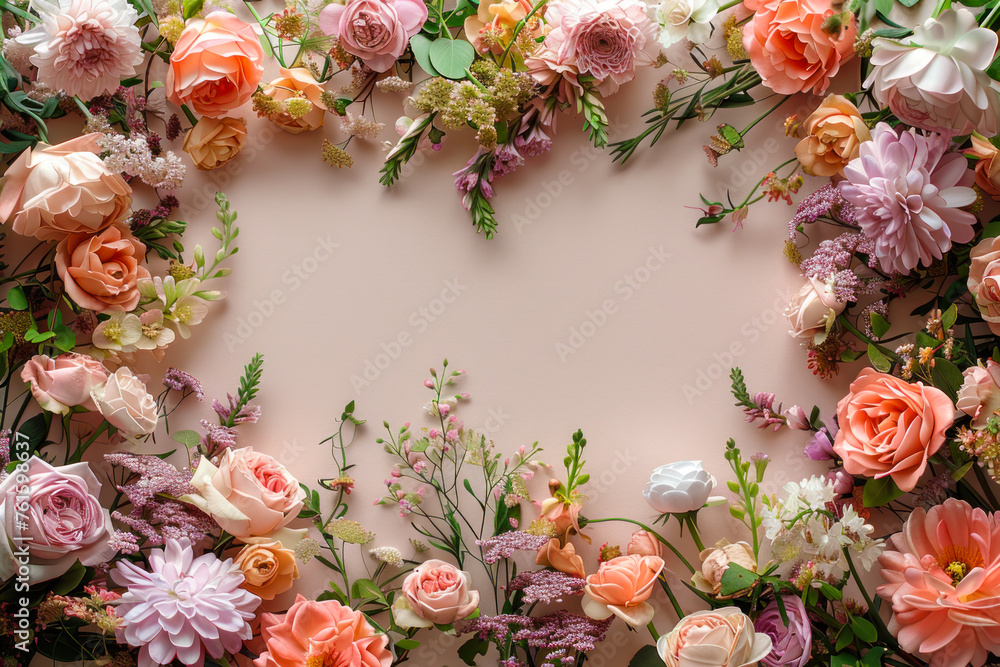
x: 908, y: 189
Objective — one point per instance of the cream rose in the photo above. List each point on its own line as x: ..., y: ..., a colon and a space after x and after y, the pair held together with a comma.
x: 979, y: 396
x: 812, y: 309
x: 715, y: 562
x: 126, y: 404
x: 984, y: 280
x: 715, y: 638
x: 213, y: 142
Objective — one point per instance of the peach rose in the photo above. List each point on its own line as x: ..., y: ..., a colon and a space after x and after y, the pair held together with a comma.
x: 565, y: 516
x: 328, y: 630
x: 249, y: 494
x: 789, y: 47
x: 437, y: 593
x: 621, y: 587
x: 268, y: 568
x: 987, y: 166
x: 213, y: 142
x: 834, y: 133
x: 715, y: 562
x: 64, y: 382
x: 564, y: 559
x: 52, y: 191
x: 643, y: 544
x: 984, y: 280
x: 125, y: 403
x: 216, y: 64
x: 811, y: 309
x: 100, y: 271
x: 979, y: 396
x: 889, y: 427
x: 714, y: 638
x: 297, y: 83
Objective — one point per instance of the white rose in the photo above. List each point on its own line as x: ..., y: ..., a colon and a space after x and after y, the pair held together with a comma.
x: 676, y: 488
x: 685, y: 20
x: 812, y: 309
x: 126, y: 404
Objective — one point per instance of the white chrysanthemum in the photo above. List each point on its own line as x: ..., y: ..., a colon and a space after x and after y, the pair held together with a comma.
x: 84, y: 47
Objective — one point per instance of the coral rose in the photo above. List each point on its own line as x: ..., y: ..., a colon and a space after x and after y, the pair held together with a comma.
x: 321, y: 633
x: 790, y: 48
x: 715, y: 562
x: 125, y: 403
x: 216, y: 64
x: 812, y: 310
x: 834, y: 134
x: 621, y: 587
x: 987, y: 168
x: 249, y: 494
x: 376, y: 31
x: 565, y: 516
x: 52, y: 191
x: 297, y: 83
x: 714, y: 638
x: 643, y: 544
x: 268, y: 568
x: 438, y: 593
x: 889, y: 427
x: 64, y: 382
x: 941, y: 573
x: 213, y: 142
x: 100, y: 271
x: 984, y: 280
x: 564, y: 559
x: 979, y: 396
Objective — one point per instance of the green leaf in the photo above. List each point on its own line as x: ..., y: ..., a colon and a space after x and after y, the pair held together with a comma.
x: 874, y: 657
x: 845, y: 639
x: 69, y: 581
x: 843, y: 659
x: 421, y: 46
x: 884, y: 6
x: 736, y: 579
x: 407, y: 644
x: 992, y: 228
x: 961, y: 472
x: 367, y: 589
x: 950, y: 317
x: 830, y: 592
x: 470, y: 649
x: 864, y: 629
x: 947, y: 377
x: 880, y: 325
x: 879, y: 360
x: 30, y: 435
x: 451, y: 57
x: 192, y: 7
x: 646, y: 657
x: 16, y: 298
x: 878, y: 492
x: 187, y: 438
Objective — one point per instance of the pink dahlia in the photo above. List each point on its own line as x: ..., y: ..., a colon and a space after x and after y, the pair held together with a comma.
x: 943, y: 574
x: 907, y: 189
x: 605, y: 39
x: 84, y: 47
x: 183, y: 607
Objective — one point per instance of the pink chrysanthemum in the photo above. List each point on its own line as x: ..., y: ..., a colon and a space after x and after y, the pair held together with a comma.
x: 907, y: 189
x: 84, y: 47
x: 183, y: 607
x: 943, y: 571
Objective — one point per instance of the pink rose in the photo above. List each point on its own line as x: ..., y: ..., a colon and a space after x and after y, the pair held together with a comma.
x: 440, y: 593
x: 101, y: 272
x: 216, y: 65
x: 789, y: 47
x: 249, y: 494
x: 621, y: 587
x: 52, y: 191
x: 714, y: 638
x: 376, y: 31
x: 64, y: 382
x: 890, y: 427
x: 126, y: 404
x: 811, y: 309
x: 984, y: 280
x: 64, y: 519
x: 979, y: 396
x: 643, y: 544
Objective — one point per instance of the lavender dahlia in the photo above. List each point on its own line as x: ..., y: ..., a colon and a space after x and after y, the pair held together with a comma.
x: 183, y: 607
x: 908, y: 189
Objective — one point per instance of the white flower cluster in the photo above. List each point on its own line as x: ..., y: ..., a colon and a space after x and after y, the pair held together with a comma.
x: 809, y: 538
x: 132, y: 156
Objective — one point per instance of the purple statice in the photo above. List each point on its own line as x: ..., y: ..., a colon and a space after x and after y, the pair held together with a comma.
x: 547, y: 585
x: 248, y: 414
x: 825, y: 202
x: 506, y: 159
x: 831, y: 263
x: 564, y: 630
x: 505, y: 544
x: 174, y: 128
x: 218, y: 436
x: 4, y: 447
x: 820, y: 448
x: 764, y: 412
x: 139, y: 219
x: 179, y: 380
x: 124, y: 542
x: 880, y: 307
x: 512, y: 662
x: 496, y: 628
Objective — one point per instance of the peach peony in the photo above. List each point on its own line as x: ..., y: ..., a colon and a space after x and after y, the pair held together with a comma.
x: 714, y: 638
x: 216, y: 64
x: 834, y: 134
x: 621, y: 587
x: 439, y: 593
x: 984, y: 280
x: 297, y: 83
x: 268, y: 568
x: 213, y: 142
x: 100, y: 271
x: 987, y: 166
x: 889, y: 427
x: 789, y: 47
x: 563, y: 559
x: 943, y: 574
x: 52, y: 191
x: 979, y: 396
x: 321, y: 633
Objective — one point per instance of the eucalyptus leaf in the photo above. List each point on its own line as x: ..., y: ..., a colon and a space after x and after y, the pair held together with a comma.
x: 451, y: 57
x: 421, y: 46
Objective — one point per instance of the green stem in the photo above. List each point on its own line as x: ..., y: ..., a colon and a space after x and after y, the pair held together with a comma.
x: 693, y: 527
x: 651, y: 532
x: 992, y: 15
x: 879, y: 623
x: 652, y: 631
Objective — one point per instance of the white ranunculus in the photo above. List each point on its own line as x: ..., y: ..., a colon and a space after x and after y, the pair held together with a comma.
x: 676, y: 488
x: 685, y: 20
